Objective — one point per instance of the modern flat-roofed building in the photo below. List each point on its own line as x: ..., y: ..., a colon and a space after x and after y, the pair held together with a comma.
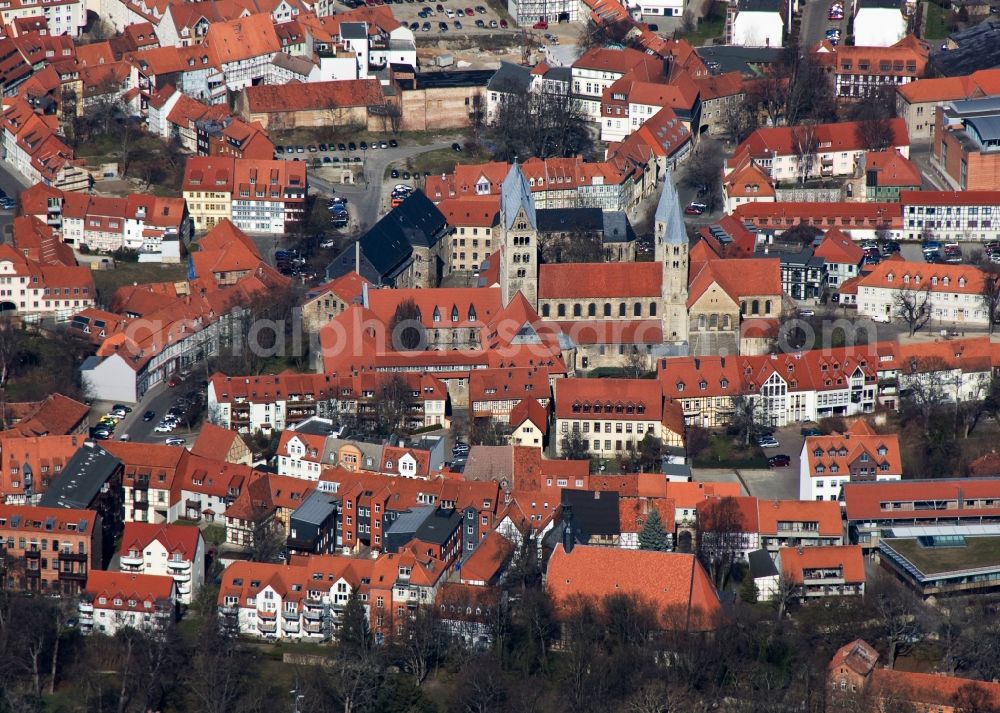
x: 938, y: 560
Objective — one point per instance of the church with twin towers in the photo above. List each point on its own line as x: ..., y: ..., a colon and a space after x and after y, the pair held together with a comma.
x: 688, y: 300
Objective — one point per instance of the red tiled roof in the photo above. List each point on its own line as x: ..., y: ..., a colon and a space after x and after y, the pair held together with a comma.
x: 836, y: 247
x: 902, y: 275
x: 268, y: 98
x: 599, y: 280
x: 892, y: 168
x: 794, y: 561
x: 179, y: 539
x: 124, y: 586
x: 575, y: 395
x: 214, y: 442
x: 837, y: 452
x: 671, y: 582
x: 842, y: 136
x: 954, y: 498
x: 486, y: 561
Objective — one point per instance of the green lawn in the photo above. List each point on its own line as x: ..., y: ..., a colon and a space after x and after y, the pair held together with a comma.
x: 125, y: 273
x: 978, y: 552
x: 709, y: 27
x: 935, y: 22
x: 444, y: 160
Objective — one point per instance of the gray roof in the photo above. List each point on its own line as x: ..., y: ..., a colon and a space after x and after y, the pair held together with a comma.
x: 315, y: 426
x: 514, y: 195
x: 987, y: 127
x: 681, y: 469
x: 617, y: 228
x: 761, y: 564
x: 410, y: 520
x: 439, y: 526
x: 510, y: 79
x: 982, y: 107
x: 82, y: 478
x: 371, y: 453
x: 354, y: 30
x: 668, y: 214
x: 733, y: 58
x: 977, y: 47
x: 316, y: 508
x: 594, y: 512
x: 559, y: 74
x: 299, y: 65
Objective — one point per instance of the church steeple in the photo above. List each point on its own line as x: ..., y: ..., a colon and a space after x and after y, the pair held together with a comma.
x: 519, y: 239
x: 671, y: 251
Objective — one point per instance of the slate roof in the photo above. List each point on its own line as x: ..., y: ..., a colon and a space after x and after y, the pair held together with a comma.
x: 387, y: 248
x: 82, y: 478
x: 510, y: 78
x: 316, y: 508
x: 668, y: 211
x: 515, y: 194
x: 970, y: 50
x: 594, y: 512
x: 761, y: 564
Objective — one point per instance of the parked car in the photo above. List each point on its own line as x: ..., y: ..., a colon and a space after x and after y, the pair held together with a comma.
x: 810, y: 431
x: 443, y: 26
x: 393, y: 143
x: 174, y: 441
x: 779, y: 461
x: 503, y: 24
x: 540, y: 25
x: 767, y: 442
x: 164, y: 427
x: 394, y: 173
x: 493, y: 24
x: 149, y: 416
x: 458, y: 25
x: 174, y: 380
x: 456, y: 147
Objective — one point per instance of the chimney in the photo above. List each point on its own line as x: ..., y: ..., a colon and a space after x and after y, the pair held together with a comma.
x: 364, y: 295
x: 722, y: 362
x: 357, y: 256
x: 697, y: 363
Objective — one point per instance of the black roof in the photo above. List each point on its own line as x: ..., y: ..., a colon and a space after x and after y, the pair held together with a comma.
x: 978, y: 47
x: 439, y: 526
x: 462, y: 78
x: 510, y: 78
x: 733, y: 58
x: 82, y: 478
x: 594, y: 512
x: 761, y: 564
x: 551, y: 220
x: 387, y: 248
x: 316, y: 508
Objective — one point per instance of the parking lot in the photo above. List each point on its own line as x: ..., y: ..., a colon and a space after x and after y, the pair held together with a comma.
x: 443, y: 18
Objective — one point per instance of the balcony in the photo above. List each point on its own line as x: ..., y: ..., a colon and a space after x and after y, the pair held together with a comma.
x: 226, y: 610
x: 129, y: 560
x: 86, y: 607
x: 181, y: 577
x: 290, y: 626
x: 312, y: 615
x: 73, y: 576
x: 179, y: 565
x: 316, y: 629
x: 267, y: 627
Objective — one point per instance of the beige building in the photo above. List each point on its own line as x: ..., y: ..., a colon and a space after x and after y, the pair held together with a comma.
x: 612, y: 416
x: 208, y: 192
x: 323, y: 303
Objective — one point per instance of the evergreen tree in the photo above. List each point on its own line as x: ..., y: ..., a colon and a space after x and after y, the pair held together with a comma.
x: 748, y: 589
x: 355, y: 634
x: 652, y: 536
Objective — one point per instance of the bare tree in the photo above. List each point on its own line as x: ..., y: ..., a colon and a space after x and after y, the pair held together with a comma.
x: 876, y: 134
x: 636, y: 362
x: 720, y: 538
x: 267, y: 536
x: 785, y: 592
x: 393, y: 406
x: 748, y: 417
x: 990, y: 297
x: 898, y: 614
x: 420, y: 642
x: 804, y: 145
x: 406, y: 329
x: 574, y: 447
x: 702, y: 171
x: 913, y: 307
x: 11, y: 343
x: 542, y: 125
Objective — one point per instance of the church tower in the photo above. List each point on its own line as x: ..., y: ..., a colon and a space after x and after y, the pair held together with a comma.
x: 671, y: 251
x: 519, y: 239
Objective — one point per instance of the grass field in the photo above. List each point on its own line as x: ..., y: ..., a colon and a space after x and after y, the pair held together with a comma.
x: 444, y: 160
x: 709, y: 27
x: 125, y: 273
x: 978, y: 552
x: 935, y: 22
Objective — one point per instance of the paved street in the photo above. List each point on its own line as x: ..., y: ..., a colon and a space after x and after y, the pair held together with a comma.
x: 366, y: 198
x: 815, y: 23
x: 159, y: 399
x: 11, y: 183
